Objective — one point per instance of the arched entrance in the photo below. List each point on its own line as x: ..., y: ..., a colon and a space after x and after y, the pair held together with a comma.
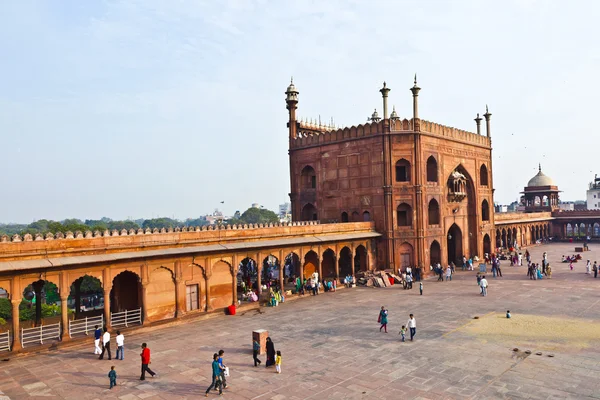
x: 360, y: 259
x: 291, y: 268
x: 498, y: 239
x: 221, y: 285
x: 41, y: 300
x: 311, y: 264
x: 126, y: 292
x: 87, y: 297
x: 460, y: 187
x: 309, y: 212
x: 454, y: 244
x: 487, y: 244
x: 406, y: 256
x: 247, y: 276
x: 328, y: 264
x: 345, y: 262
x: 270, y: 270
x: 435, y: 253
x: 160, y: 295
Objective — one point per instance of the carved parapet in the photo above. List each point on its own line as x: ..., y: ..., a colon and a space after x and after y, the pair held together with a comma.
x: 38, y: 237
x: 169, y: 229
x: 147, y: 231
x: 162, y: 230
x: 79, y: 235
x: 132, y: 232
x: 177, y: 229
x: 59, y: 235
x: 155, y: 230
x: 27, y: 237
x: 16, y: 238
x: 69, y: 235
x: 97, y: 233
x: 89, y: 234
x: 49, y: 236
x: 124, y: 232
x: 106, y: 233
x: 4, y: 239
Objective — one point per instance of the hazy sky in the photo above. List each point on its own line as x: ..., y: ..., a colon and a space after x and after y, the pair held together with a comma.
x: 139, y: 108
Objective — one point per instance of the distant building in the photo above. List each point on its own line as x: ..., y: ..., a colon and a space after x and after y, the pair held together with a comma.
x: 285, y: 212
x: 593, y: 194
x: 215, y: 218
x: 255, y: 205
x: 567, y: 206
x: 501, y: 208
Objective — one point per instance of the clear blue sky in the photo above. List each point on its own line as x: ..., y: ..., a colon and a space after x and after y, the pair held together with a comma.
x: 144, y: 107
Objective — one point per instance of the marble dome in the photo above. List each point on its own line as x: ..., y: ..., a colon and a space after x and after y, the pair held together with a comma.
x: 540, y: 180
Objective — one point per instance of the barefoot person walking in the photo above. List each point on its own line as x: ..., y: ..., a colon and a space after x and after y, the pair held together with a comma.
x: 412, y: 325
x: 383, y: 319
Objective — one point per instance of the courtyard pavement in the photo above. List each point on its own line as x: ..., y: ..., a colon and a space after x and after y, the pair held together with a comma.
x: 332, y: 348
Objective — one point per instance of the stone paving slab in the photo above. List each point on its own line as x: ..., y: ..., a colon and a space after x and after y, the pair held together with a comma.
x: 332, y: 348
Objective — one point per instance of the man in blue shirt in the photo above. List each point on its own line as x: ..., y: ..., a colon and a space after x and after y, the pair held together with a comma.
x: 97, y: 336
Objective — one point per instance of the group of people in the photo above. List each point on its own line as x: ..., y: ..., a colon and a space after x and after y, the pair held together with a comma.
x: 536, y: 271
x: 219, y: 374
x: 589, y: 268
x: 314, y: 285
x: 411, y: 324
x: 104, y: 339
x: 273, y: 357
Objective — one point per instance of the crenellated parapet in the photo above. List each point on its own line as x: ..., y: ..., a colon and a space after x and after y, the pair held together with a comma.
x: 96, y: 234
x: 454, y: 133
x: 309, y: 135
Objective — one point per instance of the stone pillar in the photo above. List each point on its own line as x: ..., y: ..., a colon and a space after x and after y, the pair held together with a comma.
x: 320, y: 259
x: 207, y: 275
x: 281, y: 271
x: 107, y: 308
x: 64, y: 314
x: 418, y: 180
x: 301, y: 265
x: 234, y: 271
x: 107, y: 286
x: 259, y: 268
x: 16, y: 343
x: 179, y: 290
x: 488, y: 117
x: 337, y: 264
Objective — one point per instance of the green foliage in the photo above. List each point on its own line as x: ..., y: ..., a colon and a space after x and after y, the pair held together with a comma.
x: 5, y: 309
x: 160, y: 223
x: 255, y: 215
x: 27, y: 310
x: 196, y: 222
x: 2, y: 321
x: 88, y: 285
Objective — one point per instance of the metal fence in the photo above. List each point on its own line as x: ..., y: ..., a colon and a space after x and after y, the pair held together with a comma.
x: 126, y: 318
x: 38, y: 334
x: 85, y: 325
x: 5, y: 341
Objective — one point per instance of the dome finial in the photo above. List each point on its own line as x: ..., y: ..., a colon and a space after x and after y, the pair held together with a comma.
x: 540, y: 167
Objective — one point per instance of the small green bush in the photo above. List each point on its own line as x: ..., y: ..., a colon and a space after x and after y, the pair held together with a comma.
x: 5, y: 309
x: 2, y: 321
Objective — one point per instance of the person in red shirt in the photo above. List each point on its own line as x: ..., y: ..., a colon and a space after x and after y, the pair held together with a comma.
x: 145, y: 361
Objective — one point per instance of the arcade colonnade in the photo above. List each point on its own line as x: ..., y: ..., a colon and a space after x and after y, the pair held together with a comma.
x: 171, y: 287
x: 523, y: 234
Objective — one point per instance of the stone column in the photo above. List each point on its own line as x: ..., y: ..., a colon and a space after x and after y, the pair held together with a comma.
x: 337, y: 264
x: 207, y: 275
x: 259, y: 268
x: 16, y: 343
x: 320, y: 259
x: 179, y: 291
x: 301, y: 265
x: 64, y: 314
x: 107, y: 308
x: 107, y: 286
x: 281, y: 271
x: 234, y: 271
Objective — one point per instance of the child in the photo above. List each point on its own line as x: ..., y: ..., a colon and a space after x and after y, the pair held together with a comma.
x: 507, y: 313
x: 403, y: 333
x: 112, y: 375
x: 421, y: 288
x: 278, y: 362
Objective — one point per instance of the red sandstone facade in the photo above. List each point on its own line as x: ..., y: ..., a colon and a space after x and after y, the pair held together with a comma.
x: 427, y: 187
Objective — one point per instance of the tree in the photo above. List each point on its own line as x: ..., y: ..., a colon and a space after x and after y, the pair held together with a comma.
x: 120, y: 225
x: 161, y: 223
x: 255, y: 215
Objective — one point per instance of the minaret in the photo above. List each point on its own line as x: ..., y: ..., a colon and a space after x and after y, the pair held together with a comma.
x: 487, y: 117
x: 384, y: 93
x: 415, y: 92
x: 478, y: 122
x: 292, y: 104
x: 291, y: 101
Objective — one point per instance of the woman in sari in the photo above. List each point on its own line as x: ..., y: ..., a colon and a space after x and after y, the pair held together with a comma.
x: 383, y: 315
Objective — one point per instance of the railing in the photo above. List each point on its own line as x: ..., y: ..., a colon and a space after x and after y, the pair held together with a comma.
x: 5, y: 341
x: 85, y: 325
x: 40, y: 333
x: 126, y: 318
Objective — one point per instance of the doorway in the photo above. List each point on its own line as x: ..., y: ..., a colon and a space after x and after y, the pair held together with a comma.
x: 455, y: 242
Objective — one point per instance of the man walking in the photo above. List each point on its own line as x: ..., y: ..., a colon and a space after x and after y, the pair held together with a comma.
x: 216, y: 376
x: 412, y: 325
x: 484, y: 284
x: 97, y: 337
x: 145, y: 354
x: 120, y: 343
x: 105, y: 345
x: 255, y: 350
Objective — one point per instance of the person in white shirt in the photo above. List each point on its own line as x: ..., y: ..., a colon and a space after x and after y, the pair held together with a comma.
x: 120, y: 343
x: 448, y: 273
x: 105, y: 344
x: 412, y: 325
x: 483, y: 284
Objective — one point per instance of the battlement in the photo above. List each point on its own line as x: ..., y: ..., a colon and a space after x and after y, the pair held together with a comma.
x: 310, y: 134
x: 85, y: 243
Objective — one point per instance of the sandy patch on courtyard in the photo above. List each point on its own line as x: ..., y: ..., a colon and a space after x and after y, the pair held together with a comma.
x: 548, y: 333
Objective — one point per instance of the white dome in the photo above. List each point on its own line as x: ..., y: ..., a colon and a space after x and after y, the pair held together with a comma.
x: 540, y: 180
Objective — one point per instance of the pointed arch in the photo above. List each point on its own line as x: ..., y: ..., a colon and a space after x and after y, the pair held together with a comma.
x: 433, y: 212
x: 432, y: 169
x: 483, y: 175
x: 308, y: 178
x: 403, y: 170
x: 404, y: 215
x: 485, y: 210
x: 435, y: 253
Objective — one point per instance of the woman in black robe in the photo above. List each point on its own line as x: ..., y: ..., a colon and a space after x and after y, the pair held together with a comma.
x: 270, y: 353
